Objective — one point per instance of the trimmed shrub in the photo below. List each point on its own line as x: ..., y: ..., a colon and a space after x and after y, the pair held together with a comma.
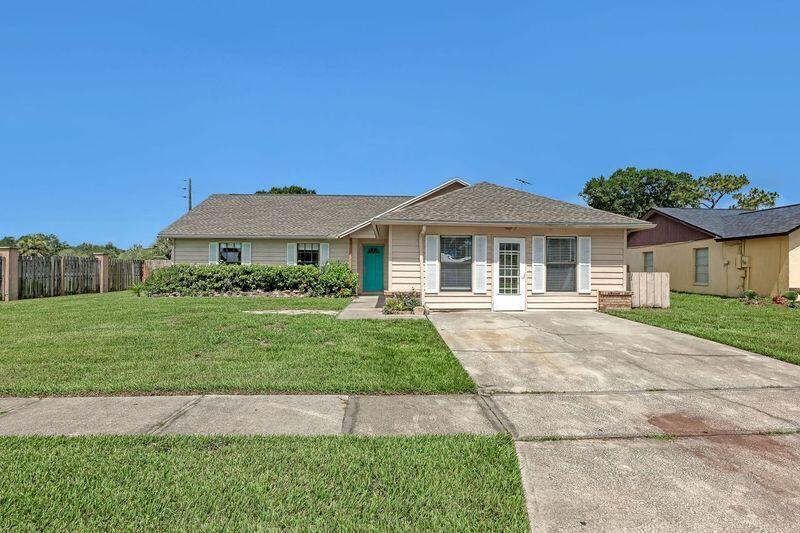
x: 200, y: 280
x: 791, y: 297
x: 398, y: 302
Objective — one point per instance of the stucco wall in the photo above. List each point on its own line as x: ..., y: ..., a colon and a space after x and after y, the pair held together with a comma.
x: 264, y: 251
x: 768, y: 272
x: 794, y: 259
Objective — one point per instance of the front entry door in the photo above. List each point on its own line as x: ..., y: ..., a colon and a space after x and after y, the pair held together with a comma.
x: 373, y: 268
x: 508, y: 287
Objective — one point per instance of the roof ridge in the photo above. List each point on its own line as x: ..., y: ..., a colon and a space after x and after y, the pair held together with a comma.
x: 313, y: 195
x: 750, y: 212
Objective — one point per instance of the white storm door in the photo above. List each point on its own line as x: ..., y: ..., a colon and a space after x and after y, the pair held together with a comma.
x: 508, y: 274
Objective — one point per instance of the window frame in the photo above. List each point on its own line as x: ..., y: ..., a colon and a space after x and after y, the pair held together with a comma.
x: 707, y: 265
x: 236, y: 245
x: 312, y: 251
x: 652, y: 262
x: 442, y: 285
x: 547, y: 262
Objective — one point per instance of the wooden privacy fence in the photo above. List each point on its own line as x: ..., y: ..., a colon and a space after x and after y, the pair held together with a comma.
x: 123, y: 274
x: 40, y: 277
x: 2, y: 273
x: 650, y: 289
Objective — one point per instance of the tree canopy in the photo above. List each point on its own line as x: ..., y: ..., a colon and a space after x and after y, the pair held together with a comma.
x: 42, y: 244
x: 288, y: 189
x: 633, y: 192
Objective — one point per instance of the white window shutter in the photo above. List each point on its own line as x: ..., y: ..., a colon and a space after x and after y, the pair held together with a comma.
x: 538, y: 252
x: 431, y: 264
x: 213, y: 253
x: 247, y: 253
x: 479, y: 254
x: 324, y: 253
x: 584, y: 265
x: 291, y: 253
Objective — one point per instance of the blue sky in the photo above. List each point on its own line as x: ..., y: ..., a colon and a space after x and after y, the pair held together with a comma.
x: 106, y: 106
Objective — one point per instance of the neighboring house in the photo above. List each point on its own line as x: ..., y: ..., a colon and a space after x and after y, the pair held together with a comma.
x: 463, y: 247
x: 721, y: 251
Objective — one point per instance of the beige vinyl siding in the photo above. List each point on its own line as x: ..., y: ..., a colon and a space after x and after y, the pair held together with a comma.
x: 607, y: 273
x: 404, y: 267
x: 794, y: 259
x: 264, y: 251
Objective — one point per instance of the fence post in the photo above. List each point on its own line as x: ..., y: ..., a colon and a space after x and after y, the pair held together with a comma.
x: 10, y: 254
x: 103, y: 262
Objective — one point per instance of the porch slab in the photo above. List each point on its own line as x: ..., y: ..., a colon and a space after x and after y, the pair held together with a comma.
x: 371, y: 307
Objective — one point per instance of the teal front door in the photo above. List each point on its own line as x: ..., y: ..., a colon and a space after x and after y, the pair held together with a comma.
x: 373, y: 268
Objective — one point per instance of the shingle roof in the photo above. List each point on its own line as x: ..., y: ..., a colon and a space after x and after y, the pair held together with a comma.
x: 487, y: 203
x: 738, y: 223
x: 278, y: 215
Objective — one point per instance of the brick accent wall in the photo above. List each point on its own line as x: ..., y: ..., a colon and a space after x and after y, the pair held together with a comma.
x: 614, y: 300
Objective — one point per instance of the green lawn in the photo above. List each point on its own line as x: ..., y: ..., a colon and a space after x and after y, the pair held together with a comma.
x: 768, y: 330
x: 455, y: 483
x: 118, y: 343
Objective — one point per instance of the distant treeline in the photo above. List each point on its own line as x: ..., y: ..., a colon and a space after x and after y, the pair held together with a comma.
x: 49, y: 244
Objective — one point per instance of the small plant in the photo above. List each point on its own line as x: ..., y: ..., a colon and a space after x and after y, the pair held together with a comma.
x: 137, y: 289
x: 749, y: 295
x: 401, y: 302
x: 791, y: 297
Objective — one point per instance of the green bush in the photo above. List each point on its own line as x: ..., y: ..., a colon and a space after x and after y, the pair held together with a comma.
x: 792, y: 297
x: 401, y: 301
x: 335, y: 279
x: 749, y: 295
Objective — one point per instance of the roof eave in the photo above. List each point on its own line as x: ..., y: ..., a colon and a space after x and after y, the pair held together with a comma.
x: 243, y: 236
x: 680, y: 221
x: 644, y: 225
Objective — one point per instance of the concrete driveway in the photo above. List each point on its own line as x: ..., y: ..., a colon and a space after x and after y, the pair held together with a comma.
x: 624, y: 426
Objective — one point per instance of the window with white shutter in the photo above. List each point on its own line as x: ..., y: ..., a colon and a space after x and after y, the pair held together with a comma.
x: 480, y: 272
x: 291, y: 253
x: 538, y: 264
x: 213, y: 253
x: 584, y: 265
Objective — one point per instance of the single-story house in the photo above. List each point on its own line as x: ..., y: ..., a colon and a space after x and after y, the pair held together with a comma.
x: 461, y: 246
x: 721, y: 251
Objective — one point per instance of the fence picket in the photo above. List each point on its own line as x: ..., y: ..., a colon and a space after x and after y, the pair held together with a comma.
x: 650, y: 289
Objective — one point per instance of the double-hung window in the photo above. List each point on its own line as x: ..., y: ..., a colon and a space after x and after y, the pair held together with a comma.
x: 308, y: 253
x: 230, y: 253
x: 701, y: 266
x: 648, y: 261
x: 455, y: 258
x: 562, y: 256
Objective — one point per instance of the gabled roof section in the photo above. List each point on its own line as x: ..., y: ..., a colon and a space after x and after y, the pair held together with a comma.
x: 726, y: 224
x: 487, y: 203
x: 278, y: 215
x: 448, y: 186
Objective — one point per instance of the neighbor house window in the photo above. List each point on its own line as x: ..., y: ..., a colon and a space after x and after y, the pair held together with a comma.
x: 230, y: 253
x: 308, y: 253
x: 648, y: 262
x: 562, y: 255
x: 455, y: 258
x: 701, y: 265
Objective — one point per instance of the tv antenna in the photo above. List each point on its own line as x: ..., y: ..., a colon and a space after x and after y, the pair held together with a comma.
x: 522, y: 183
x: 188, y: 190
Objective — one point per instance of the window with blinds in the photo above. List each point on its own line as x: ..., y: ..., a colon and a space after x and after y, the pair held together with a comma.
x: 455, y: 260
x: 562, y: 256
x: 648, y: 261
x: 701, y: 265
x: 230, y: 253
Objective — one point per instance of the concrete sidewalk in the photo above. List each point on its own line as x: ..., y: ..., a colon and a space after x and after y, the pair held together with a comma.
x: 248, y: 415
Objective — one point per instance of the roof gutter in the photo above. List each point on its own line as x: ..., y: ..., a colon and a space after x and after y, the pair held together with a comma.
x: 641, y: 226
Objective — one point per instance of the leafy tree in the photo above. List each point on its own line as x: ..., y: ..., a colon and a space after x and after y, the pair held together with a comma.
x: 40, y: 244
x: 755, y: 199
x: 289, y: 189
x: 632, y: 192
x: 162, y: 248
x: 8, y: 241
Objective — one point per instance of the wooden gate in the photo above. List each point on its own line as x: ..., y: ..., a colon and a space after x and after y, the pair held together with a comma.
x: 650, y: 289
x: 81, y: 275
x: 2, y: 270
x: 39, y: 276
x: 123, y: 274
